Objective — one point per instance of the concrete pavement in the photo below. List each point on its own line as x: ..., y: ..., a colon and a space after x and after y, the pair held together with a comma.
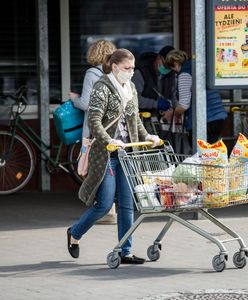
x: 34, y: 263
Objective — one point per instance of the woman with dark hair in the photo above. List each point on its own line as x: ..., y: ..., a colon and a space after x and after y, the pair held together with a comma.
x: 113, y: 105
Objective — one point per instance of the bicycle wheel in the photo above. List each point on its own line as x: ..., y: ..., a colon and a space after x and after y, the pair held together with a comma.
x: 18, y: 168
x: 72, y: 155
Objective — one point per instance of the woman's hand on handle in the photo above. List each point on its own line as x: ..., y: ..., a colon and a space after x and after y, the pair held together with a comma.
x: 155, y: 139
x: 117, y: 143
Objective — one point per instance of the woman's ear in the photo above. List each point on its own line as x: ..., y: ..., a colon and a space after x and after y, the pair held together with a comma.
x: 114, y: 68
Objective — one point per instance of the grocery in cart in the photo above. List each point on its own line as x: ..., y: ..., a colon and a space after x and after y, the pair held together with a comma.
x: 165, y: 184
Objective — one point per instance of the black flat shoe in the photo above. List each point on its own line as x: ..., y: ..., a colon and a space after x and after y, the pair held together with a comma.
x: 132, y: 260
x: 72, y: 248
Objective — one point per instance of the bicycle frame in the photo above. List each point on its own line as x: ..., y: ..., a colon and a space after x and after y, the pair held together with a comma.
x: 19, y: 125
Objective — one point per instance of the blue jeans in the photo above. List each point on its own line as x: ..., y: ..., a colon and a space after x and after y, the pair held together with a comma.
x: 113, y: 184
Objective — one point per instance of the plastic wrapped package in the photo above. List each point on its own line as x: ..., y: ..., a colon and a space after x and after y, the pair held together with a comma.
x: 146, y: 195
x: 238, y: 170
x: 215, y: 180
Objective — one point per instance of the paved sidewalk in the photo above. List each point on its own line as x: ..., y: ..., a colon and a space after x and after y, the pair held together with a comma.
x: 34, y: 263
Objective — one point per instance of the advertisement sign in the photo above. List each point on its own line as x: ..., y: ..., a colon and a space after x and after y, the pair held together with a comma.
x: 228, y: 44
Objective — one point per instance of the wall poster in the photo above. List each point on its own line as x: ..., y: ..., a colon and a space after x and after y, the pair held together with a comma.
x: 228, y: 44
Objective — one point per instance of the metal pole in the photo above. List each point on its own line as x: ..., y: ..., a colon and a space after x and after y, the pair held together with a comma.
x: 43, y: 76
x: 237, y: 121
x: 65, y: 48
x: 199, y: 108
x: 176, y: 32
x: 199, y: 102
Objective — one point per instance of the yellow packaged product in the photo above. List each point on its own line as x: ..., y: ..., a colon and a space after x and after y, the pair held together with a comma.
x: 215, y: 183
x: 238, y: 170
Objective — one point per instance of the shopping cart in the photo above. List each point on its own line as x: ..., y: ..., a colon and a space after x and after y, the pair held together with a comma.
x: 165, y: 184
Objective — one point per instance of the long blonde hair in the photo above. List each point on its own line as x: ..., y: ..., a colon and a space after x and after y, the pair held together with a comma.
x: 98, y: 50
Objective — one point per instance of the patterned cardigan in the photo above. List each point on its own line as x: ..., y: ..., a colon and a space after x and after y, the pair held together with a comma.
x: 104, y: 107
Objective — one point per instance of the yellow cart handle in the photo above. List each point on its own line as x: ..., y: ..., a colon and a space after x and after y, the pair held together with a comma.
x: 145, y: 114
x: 236, y: 109
x: 112, y: 147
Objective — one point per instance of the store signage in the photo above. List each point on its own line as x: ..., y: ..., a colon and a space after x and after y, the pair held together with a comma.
x: 228, y: 44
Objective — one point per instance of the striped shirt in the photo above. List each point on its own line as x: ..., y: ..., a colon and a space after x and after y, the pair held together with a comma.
x: 184, y: 81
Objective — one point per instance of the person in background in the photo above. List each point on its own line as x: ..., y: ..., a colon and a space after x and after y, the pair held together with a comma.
x: 178, y: 61
x: 155, y: 83
x: 95, y: 55
x: 113, y: 102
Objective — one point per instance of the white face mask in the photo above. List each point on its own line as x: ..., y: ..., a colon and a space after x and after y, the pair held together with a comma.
x: 124, y: 76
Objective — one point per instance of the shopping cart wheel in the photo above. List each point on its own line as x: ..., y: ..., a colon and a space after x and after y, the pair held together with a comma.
x: 218, y: 264
x: 113, y: 261
x: 239, y: 260
x: 153, y: 253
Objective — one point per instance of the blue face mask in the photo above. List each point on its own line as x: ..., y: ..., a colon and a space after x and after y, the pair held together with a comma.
x: 163, y: 70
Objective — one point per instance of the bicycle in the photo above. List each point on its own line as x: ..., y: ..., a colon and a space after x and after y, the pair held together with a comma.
x: 18, y: 156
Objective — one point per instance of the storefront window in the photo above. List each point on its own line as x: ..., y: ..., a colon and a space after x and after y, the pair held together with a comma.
x: 18, y: 54
x: 138, y: 25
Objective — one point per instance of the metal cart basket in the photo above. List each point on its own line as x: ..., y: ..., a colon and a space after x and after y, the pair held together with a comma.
x: 165, y: 184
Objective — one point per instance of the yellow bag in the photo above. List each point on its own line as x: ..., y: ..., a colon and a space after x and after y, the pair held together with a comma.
x: 215, y: 183
x: 238, y: 170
